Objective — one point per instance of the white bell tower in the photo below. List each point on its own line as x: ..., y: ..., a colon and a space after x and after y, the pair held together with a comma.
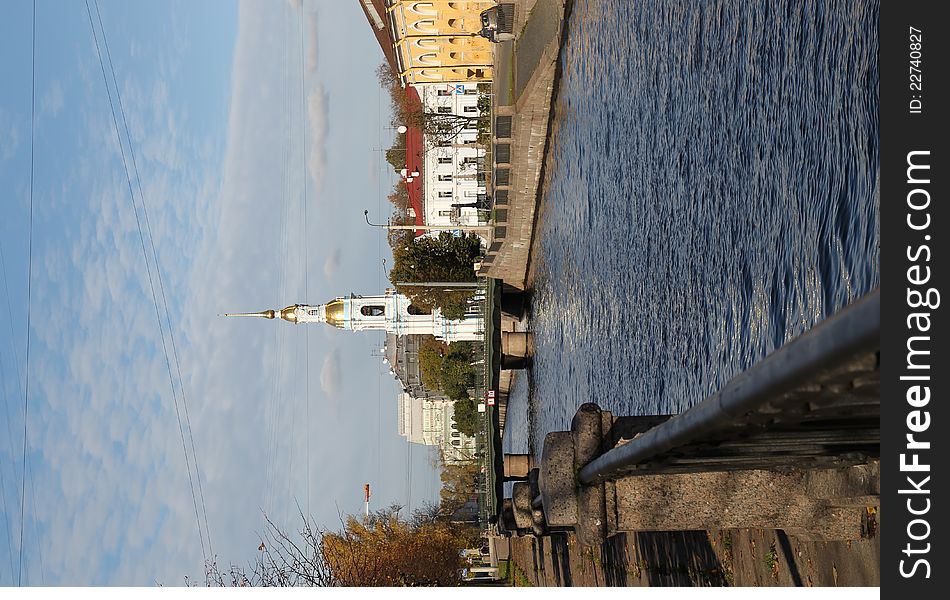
x: 391, y: 312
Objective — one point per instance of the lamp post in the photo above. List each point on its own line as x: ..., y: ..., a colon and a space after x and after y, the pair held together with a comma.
x: 484, y: 229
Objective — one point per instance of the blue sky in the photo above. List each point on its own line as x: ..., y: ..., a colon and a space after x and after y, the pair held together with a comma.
x: 229, y: 110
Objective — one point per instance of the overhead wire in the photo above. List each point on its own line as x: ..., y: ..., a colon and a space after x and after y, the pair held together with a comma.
x: 161, y: 281
x: 306, y: 243
x: 29, y: 292
x: 19, y: 393
x: 3, y: 485
x: 138, y: 221
x: 277, y: 413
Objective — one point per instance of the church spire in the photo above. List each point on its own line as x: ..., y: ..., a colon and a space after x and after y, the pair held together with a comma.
x: 288, y: 314
x: 266, y: 314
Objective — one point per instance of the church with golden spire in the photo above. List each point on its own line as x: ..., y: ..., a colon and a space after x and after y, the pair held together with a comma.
x: 392, y: 312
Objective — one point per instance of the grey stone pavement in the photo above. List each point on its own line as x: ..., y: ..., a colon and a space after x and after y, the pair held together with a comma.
x: 525, y: 74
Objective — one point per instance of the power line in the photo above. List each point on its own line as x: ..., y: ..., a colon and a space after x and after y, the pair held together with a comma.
x: 161, y: 283
x: 3, y: 485
x: 306, y: 240
x: 150, y: 280
x: 29, y: 288
x: 19, y: 392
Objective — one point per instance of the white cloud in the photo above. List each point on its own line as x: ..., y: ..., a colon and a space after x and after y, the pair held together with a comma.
x: 310, y: 35
x: 317, y: 110
x: 330, y: 378
x: 332, y: 263
x: 53, y: 100
x: 9, y: 136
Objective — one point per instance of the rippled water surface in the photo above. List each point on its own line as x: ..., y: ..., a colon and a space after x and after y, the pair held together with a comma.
x: 711, y: 192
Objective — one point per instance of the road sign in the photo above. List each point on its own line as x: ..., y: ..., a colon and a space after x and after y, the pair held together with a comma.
x: 490, y: 397
x: 460, y: 88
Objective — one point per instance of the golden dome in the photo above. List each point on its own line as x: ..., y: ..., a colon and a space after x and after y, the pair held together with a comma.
x: 289, y: 313
x: 334, y: 312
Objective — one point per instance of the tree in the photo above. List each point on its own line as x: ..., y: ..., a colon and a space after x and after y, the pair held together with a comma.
x: 431, y: 352
x: 446, y: 258
x: 457, y: 373
x: 447, y: 368
x: 387, y: 551
x: 436, y: 127
x: 283, y: 561
x: 458, y: 485
x: 396, y: 155
x: 467, y: 418
x: 381, y: 550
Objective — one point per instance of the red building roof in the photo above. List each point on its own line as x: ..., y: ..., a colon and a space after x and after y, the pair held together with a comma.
x: 415, y: 157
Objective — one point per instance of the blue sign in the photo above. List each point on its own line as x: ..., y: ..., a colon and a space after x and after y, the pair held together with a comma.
x: 456, y: 233
x: 460, y: 88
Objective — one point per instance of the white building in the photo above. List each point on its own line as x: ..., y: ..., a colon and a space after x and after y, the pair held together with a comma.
x: 451, y: 183
x: 428, y: 421
x: 391, y: 312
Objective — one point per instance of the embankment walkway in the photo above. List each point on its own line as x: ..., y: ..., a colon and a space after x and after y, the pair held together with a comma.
x: 525, y: 88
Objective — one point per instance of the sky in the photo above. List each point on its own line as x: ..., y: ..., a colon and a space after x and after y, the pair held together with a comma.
x: 255, y: 129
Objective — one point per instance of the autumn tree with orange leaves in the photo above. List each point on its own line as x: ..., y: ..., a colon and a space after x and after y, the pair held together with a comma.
x: 388, y: 551
x: 380, y: 550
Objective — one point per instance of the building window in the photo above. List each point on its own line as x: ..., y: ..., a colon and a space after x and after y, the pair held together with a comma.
x: 422, y: 8
x: 430, y: 58
x: 428, y: 74
x: 314, y: 312
x: 445, y: 110
x: 445, y: 178
x: 445, y: 160
x: 471, y: 92
x: 470, y: 109
x: 456, y: 443
x: 443, y: 144
x: 425, y: 26
x: 373, y: 310
x: 443, y: 93
x: 445, y: 194
x: 445, y: 213
x: 412, y: 309
x: 469, y: 160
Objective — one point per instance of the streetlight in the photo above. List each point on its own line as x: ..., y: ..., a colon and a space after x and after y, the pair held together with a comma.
x: 487, y: 230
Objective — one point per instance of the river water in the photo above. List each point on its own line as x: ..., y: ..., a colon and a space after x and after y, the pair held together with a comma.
x: 711, y: 192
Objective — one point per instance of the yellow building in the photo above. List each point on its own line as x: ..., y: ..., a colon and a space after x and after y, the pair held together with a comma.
x: 437, y: 41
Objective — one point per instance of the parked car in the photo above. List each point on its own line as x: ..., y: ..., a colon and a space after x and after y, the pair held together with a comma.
x: 494, y: 27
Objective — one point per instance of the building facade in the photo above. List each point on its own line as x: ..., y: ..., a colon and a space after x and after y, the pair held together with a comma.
x: 437, y: 41
x: 428, y: 421
x: 453, y: 169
